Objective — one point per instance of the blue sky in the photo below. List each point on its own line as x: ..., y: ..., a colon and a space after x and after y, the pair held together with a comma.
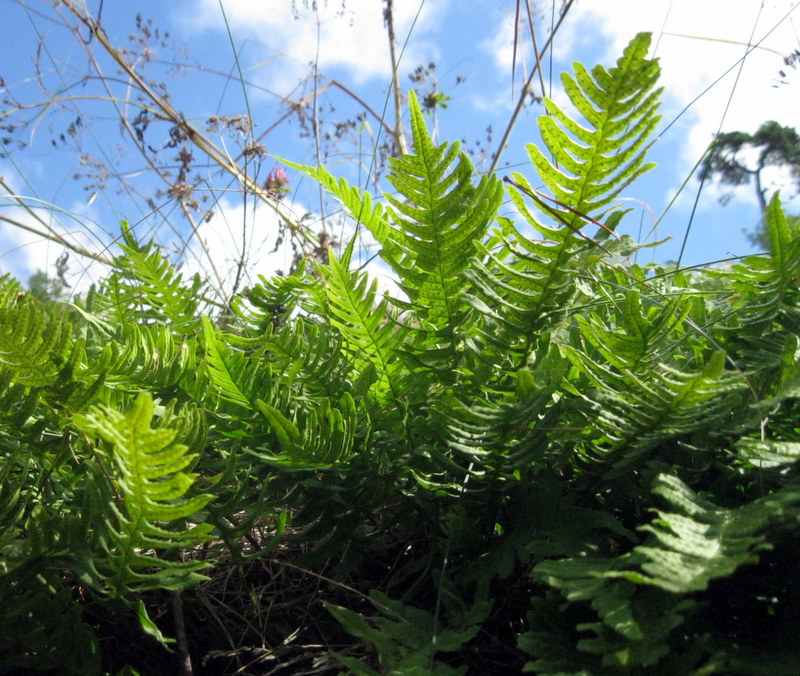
x: 275, y: 44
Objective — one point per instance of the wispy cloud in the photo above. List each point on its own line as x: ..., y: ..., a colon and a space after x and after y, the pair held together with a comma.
x: 337, y: 35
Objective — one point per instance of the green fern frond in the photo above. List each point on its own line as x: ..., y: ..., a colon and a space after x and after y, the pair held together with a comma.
x: 591, y: 165
x: 435, y: 223
x: 309, y: 358
x: 271, y: 302
x: 407, y: 638
x: 768, y: 285
x: 149, y: 357
x: 699, y: 541
x: 42, y: 352
x: 36, y: 348
x: 631, y: 414
x: 148, y: 475
x: 641, y: 333
x: 318, y: 436
x: 230, y: 371
x: 768, y: 454
x: 10, y: 290
x: 357, y: 203
x: 144, y: 282
x: 521, y: 285
x: 366, y: 327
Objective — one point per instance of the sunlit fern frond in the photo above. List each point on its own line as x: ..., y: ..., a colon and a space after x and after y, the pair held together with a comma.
x: 522, y: 285
x: 148, y: 521
x: 436, y: 220
x: 592, y: 164
x: 769, y: 286
x: 368, y: 331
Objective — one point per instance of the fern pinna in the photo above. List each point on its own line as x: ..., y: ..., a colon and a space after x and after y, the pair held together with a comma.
x: 535, y: 456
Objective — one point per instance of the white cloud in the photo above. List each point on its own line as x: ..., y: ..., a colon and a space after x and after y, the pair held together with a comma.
x: 219, y: 246
x: 237, y: 235
x: 697, y: 42
x: 23, y: 251
x: 348, y: 35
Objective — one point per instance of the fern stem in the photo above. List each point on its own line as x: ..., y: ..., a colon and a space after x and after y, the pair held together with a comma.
x: 184, y: 658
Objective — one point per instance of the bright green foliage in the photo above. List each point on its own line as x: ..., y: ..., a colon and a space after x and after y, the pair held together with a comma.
x: 537, y: 458
x: 524, y: 286
x: 147, y: 474
x: 143, y: 282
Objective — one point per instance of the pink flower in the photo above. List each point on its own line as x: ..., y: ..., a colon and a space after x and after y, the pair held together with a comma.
x: 277, y: 183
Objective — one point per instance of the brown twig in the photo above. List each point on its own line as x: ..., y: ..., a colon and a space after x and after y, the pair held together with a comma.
x: 399, y: 138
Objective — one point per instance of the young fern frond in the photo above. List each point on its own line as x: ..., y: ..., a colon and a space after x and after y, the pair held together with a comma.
x: 150, y: 517
x: 436, y: 220
x: 523, y: 285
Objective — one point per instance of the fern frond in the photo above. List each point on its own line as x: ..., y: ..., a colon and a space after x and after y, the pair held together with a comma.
x: 150, y: 357
x: 633, y: 413
x: 271, y: 302
x: 407, y: 638
x: 435, y: 223
x: 366, y: 327
x: 699, y: 541
x: 357, y: 203
x: 317, y: 436
x: 309, y: 358
x: 149, y: 477
x: 144, y: 282
x: 42, y: 352
x: 521, y: 285
x: 10, y: 290
x: 769, y: 284
x: 232, y: 373
x: 598, y: 161
x: 36, y: 348
x: 641, y: 333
